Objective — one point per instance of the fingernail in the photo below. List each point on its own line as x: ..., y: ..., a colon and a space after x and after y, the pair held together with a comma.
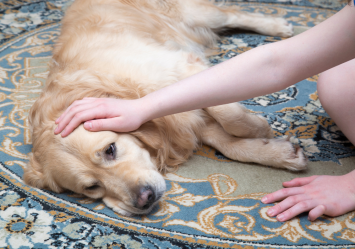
x: 88, y: 125
x: 280, y: 217
x: 264, y: 199
x: 271, y: 212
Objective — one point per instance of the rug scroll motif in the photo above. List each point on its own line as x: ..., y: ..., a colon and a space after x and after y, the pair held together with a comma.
x: 211, y: 202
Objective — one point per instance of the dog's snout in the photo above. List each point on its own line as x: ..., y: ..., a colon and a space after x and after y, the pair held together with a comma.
x: 146, y: 197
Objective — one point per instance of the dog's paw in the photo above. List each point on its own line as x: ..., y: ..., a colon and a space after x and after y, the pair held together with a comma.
x: 276, y: 27
x: 283, y: 28
x: 296, y: 160
x: 290, y: 157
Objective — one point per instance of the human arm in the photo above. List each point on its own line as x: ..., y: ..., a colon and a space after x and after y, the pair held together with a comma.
x: 330, y: 195
x: 260, y: 71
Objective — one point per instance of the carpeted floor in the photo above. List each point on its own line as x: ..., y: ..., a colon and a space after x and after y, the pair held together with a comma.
x: 211, y: 201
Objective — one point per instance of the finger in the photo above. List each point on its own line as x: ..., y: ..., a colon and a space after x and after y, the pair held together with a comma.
x: 297, y: 182
x: 316, y: 212
x: 297, y: 209
x: 286, y: 204
x: 117, y: 124
x: 110, y: 124
x: 75, y: 111
x: 281, y: 194
x: 80, y: 117
x: 74, y: 104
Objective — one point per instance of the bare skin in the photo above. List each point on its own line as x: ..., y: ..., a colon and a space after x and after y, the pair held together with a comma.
x: 329, y: 195
x: 317, y: 194
x: 323, y: 47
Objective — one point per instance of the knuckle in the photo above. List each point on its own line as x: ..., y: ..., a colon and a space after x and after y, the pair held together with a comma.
x: 98, y: 124
x: 303, y: 205
x: 292, y: 199
x: 74, y: 109
x: 77, y: 116
x: 297, y: 180
x: 102, y: 105
x: 287, y: 214
x: 272, y: 196
x: 277, y: 208
x: 284, y: 191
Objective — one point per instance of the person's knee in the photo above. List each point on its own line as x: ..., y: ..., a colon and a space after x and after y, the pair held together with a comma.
x: 325, y: 83
x: 336, y: 82
x: 336, y: 87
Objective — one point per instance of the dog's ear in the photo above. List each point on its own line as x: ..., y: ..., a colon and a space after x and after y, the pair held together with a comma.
x: 168, y: 144
x: 154, y: 142
x: 33, y: 176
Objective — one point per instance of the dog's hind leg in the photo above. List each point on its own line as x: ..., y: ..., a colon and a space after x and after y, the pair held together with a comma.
x: 202, y: 13
x: 278, y: 153
x: 237, y: 121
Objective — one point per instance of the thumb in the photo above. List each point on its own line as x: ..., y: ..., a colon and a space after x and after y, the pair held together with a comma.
x: 110, y: 124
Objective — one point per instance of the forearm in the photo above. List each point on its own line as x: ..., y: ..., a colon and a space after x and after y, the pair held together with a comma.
x: 230, y: 81
x: 260, y: 71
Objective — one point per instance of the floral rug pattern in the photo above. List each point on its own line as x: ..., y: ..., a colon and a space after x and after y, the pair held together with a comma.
x: 195, y: 213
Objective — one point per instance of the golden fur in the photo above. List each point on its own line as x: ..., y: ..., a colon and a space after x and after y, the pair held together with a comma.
x: 127, y: 49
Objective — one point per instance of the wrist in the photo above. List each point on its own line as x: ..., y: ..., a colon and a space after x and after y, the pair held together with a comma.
x: 146, y: 108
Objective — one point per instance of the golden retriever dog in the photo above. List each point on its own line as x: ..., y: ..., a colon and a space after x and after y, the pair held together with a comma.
x: 127, y: 49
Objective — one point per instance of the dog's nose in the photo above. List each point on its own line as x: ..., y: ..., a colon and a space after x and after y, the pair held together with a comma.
x: 146, y: 197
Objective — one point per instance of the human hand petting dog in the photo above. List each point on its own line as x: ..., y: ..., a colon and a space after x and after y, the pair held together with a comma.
x: 329, y: 195
x: 101, y: 114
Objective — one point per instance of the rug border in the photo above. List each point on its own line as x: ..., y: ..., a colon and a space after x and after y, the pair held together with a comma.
x: 16, y: 180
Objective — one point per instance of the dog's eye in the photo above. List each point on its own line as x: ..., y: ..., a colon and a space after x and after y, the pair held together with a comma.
x: 92, y: 187
x: 110, y: 152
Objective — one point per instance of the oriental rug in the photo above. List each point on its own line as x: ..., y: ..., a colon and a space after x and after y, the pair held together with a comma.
x: 211, y: 202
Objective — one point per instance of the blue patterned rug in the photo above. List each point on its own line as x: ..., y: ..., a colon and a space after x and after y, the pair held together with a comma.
x: 211, y: 201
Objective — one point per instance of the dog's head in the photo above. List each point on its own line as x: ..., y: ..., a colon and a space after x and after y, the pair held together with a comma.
x: 114, y: 167
x: 123, y: 169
